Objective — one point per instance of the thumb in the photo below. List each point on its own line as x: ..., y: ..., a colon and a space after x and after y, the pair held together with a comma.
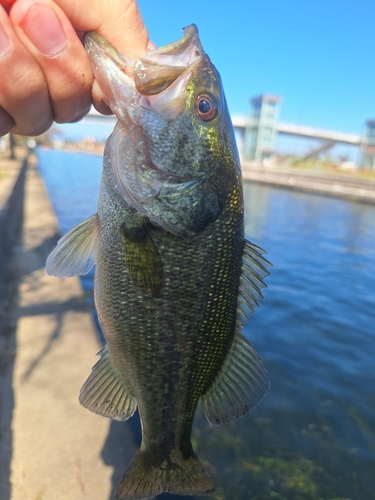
x: 119, y: 21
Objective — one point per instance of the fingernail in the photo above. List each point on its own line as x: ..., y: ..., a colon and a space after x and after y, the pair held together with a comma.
x: 44, y: 29
x: 4, y: 43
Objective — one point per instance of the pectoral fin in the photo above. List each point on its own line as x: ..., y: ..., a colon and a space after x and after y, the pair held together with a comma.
x: 104, y: 392
x: 75, y: 251
x: 143, y: 260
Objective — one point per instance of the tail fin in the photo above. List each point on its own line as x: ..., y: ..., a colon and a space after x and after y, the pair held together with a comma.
x: 144, y: 480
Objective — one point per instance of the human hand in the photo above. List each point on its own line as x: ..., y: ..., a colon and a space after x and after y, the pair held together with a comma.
x: 45, y: 73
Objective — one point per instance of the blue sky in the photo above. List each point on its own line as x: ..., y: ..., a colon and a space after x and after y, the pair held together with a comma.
x: 318, y: 55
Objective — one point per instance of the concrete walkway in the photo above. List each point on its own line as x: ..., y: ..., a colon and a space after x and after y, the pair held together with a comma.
x: 60, y: 451
x: 336, y: 185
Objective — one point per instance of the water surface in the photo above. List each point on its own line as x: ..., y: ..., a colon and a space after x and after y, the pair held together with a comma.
x: 313, y: 435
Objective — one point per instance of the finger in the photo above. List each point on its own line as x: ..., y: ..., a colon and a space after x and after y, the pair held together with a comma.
x: 23, y: 90
x: 6, y: 122
x: 7, y: 4
x: 118, y: 21
x: 48, y: 35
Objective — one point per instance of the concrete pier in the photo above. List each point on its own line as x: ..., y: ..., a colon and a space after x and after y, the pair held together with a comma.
x: 51, y: 448
x: 337, y: 185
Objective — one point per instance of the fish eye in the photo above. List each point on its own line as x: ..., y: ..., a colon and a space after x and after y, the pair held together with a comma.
x: 206, y: 107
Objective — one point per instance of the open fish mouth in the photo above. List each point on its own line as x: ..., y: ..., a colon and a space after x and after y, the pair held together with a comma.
x: 158, y: 69
x: 126, y: 81
x: 150, y: 98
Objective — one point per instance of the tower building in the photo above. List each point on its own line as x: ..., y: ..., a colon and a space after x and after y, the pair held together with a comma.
x: 261, y: 129
x: 367, y: 149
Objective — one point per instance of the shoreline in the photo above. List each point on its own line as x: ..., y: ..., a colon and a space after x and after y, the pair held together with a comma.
x: 335, y: 185
x: 51, y: 447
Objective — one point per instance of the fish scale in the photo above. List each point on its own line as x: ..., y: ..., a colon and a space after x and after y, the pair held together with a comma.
x: 175, y: 280
x: 207, y: 315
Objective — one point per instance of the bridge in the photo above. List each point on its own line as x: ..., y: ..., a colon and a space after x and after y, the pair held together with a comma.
x: 241, y: 122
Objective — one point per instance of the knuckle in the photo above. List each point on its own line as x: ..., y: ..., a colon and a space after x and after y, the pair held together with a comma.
x: 74, y: 81
x: 6, y: 122
x: 71, y: 111
x: 71, y: 99
x: 79, y: 116
x: 23, y: 85
x: 38, y: 127
x: 24, y: 96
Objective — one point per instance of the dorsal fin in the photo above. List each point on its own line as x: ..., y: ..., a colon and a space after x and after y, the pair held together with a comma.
x: 75, y: 252
x: 253, y: 271
x: 242, y: 380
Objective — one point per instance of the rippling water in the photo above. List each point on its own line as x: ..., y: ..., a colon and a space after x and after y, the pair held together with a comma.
x: 313, y: 436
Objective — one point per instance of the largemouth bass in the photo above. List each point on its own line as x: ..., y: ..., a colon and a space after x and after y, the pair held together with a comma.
x: 175, y: 279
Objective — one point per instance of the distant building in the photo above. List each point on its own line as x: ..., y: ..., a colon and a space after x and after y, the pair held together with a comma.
x: 261, y: 129
x: 367, y: 150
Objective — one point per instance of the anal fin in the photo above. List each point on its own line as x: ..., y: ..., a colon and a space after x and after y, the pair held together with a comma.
x: 104, y: 392
x: 238, y: 387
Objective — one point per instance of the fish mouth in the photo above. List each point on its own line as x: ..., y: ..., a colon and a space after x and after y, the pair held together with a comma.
x: 101, y: 52
x: 114, y: 73
x: 161, y: 67
x: 155, y: 81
